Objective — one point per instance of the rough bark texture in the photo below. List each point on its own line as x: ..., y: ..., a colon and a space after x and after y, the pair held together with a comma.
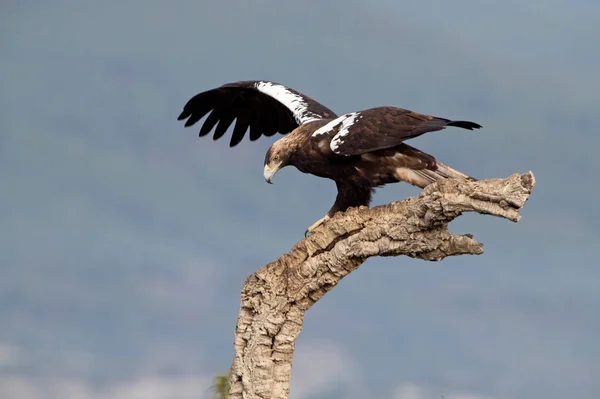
x: 274, y: 299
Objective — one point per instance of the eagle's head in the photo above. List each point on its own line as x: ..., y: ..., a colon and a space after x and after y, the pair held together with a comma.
x: 277, y: 157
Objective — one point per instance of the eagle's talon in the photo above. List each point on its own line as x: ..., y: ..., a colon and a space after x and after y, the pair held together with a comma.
x: 316, y: 224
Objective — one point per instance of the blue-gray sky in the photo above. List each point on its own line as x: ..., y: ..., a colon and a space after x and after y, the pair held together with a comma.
x: 125, y: 239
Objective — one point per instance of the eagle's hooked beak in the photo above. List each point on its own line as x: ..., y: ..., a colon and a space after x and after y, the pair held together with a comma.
x: 270, y: 172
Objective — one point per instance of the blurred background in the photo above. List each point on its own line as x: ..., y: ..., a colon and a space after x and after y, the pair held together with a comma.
x: 125, y: 239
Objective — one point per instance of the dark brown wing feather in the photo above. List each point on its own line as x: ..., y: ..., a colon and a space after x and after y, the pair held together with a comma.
x: 384, y: 127
x: 266, y: 108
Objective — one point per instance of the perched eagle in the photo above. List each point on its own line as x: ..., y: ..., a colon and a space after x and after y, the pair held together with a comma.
x: 359, y: 150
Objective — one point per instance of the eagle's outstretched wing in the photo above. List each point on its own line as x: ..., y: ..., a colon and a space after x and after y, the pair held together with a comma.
x: 382, y: 127
x: 263, y: 106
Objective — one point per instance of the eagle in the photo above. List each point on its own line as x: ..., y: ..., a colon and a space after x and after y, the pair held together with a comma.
x: 359, y: 150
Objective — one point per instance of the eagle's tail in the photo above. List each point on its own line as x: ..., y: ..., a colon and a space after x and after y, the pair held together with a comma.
x: 443, y: 171
x: 464, y: 124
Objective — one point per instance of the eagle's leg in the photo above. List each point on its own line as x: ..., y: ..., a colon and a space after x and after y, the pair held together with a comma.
x: 316, y: 224
x: 350, y: 194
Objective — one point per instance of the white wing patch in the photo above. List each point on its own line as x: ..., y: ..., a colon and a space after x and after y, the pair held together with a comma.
x: 292, y: 101
x: 329, y: 126
x: 347, y: 121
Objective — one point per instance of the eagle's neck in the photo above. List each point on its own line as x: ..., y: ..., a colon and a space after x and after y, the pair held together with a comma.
x: 293, y: 141
x: 301, y: 152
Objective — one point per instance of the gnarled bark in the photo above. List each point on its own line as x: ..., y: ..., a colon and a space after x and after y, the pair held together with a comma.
x: 274, y: 299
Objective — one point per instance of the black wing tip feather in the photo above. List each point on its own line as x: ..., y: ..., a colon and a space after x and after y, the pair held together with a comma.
x: 184, y: 114
x: 465, y: 124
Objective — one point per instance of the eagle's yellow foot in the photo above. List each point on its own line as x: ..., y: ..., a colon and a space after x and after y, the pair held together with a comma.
x: 316, y: 224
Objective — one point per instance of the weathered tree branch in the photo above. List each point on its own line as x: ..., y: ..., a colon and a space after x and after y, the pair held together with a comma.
x: 274, y: 299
